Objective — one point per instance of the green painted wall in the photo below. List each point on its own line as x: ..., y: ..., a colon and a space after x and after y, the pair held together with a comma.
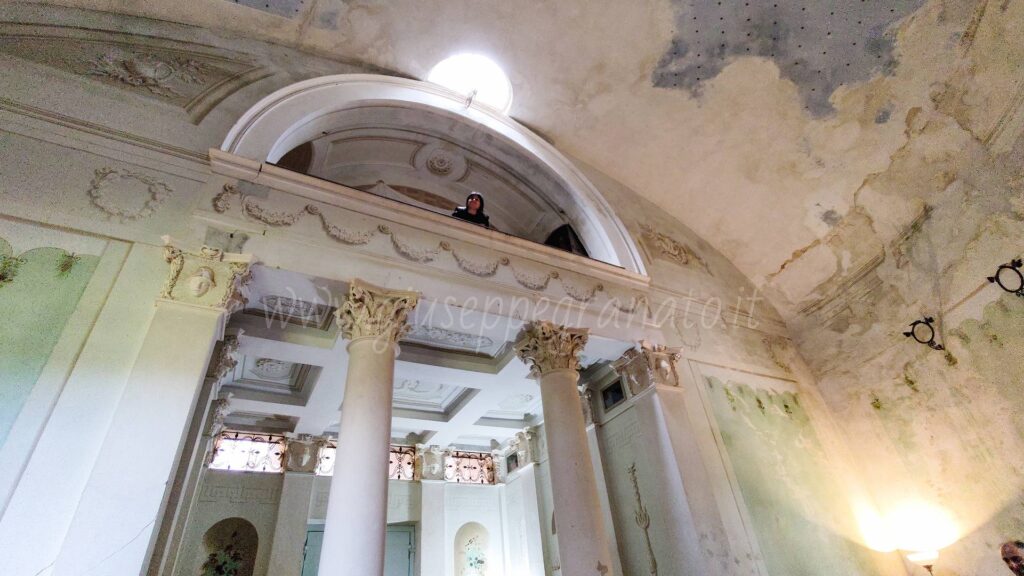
x: 799, y: 511
x: 39, y: 290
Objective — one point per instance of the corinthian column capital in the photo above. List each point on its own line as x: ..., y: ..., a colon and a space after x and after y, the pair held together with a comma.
x: 371, y: 311
x: 545, y: 347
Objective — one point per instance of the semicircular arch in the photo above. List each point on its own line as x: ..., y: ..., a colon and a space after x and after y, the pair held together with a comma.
x: 301, y: 112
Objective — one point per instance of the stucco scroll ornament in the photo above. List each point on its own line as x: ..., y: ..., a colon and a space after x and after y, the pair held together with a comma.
x: 643, y: 519
x: 371, y: 311
x: 205, y: 266
x: 545, y: 347
x: 219, y: 410
x: 103, y: 182
x: 671, y: 249
x: 223, y: 361
x: 150, y: 72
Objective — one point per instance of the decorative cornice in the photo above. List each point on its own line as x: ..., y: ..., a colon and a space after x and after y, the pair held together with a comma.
x: 213, y: 278
x: 546, y: 347
x: 371, y: 311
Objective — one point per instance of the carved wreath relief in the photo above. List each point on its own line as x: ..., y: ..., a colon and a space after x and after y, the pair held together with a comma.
x: 117, y: 192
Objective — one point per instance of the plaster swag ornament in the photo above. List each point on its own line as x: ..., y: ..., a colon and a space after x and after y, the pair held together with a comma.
x: 481, y: 269
x: 539, y: 283
x: 546, y: 347
x: 578, y: 294
x: 222, y: 203
x: 371, y: 311
x: 102, y: 193
x: 203, y: 267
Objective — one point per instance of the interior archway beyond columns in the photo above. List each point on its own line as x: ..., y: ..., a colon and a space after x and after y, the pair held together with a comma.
x: 306, y: 110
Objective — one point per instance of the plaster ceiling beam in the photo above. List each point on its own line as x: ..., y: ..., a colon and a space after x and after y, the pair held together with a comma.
x: 287, y: 351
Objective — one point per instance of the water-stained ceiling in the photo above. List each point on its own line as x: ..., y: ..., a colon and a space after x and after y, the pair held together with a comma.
x: 801, y: 139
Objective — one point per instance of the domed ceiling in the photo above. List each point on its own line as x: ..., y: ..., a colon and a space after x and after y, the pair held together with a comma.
x: 800, y: 138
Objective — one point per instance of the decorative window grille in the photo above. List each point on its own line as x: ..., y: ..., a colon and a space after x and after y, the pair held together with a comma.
x: 469, y: 468
x: 249, y: 452
x: 401, y: 464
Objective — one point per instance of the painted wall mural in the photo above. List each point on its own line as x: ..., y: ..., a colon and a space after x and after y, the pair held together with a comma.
x: 799, y: 511
x: 39, y: 290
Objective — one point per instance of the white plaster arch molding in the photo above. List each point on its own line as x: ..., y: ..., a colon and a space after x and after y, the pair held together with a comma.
x: 303, y: 111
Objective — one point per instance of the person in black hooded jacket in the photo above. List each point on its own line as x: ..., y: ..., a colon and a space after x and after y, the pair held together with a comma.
x: 473, y: 211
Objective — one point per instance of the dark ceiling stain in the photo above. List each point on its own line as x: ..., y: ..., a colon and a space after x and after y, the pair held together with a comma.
x: 286, y: 8
x: 818, y: 44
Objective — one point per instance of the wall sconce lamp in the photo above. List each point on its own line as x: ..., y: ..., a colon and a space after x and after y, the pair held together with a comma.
x: 923, y: 331
x: 925, y: 559
x: 1009, y: 277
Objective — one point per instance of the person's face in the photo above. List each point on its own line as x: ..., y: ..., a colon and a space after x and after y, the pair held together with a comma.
x: 473, y: 204
x: 1014, y: 558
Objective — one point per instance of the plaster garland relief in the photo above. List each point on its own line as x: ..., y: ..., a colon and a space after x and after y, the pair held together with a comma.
x: 118, y: 193
x: 213, y: 278
x: 410, y: 250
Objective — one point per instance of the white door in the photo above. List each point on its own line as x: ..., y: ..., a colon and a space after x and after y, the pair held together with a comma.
x: 399, y: 550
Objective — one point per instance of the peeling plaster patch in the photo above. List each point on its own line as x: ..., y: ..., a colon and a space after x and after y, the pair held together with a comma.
x: 819, y: 45
x: 286, y: 8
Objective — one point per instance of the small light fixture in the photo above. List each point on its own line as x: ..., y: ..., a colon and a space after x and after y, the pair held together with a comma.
x: 923, y: 331
x: 925, y: 559
x: 1009, y: 277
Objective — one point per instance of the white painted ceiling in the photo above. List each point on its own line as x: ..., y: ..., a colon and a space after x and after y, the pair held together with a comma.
x: 291, y: 369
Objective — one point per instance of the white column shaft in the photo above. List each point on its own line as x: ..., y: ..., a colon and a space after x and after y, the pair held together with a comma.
x: 356, y: 524
x: 580, y: 528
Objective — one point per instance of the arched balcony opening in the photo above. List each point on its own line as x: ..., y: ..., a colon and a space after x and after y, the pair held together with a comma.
x: 421, y: 144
